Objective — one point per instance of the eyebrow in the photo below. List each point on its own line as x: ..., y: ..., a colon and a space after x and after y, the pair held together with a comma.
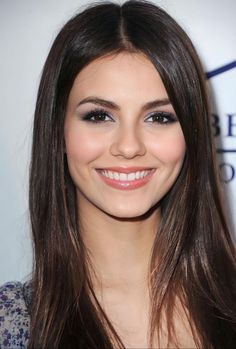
x: 109, y: 104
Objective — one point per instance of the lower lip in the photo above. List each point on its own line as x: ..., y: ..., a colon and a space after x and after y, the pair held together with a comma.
x: 127, y: 185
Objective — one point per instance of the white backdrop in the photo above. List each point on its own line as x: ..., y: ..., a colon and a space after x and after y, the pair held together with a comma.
x: 27, y: 29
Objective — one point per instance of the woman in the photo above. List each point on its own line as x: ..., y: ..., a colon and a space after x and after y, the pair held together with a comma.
x: 132, y: 249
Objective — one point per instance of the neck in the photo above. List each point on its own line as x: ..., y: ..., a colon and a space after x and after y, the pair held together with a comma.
x: 119, y: 249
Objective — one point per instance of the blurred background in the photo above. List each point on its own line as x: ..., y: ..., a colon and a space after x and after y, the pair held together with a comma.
x: 27, y: 30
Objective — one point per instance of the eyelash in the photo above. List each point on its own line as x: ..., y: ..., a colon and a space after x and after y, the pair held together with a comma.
x: 96, y: 113
x: 170, y: 118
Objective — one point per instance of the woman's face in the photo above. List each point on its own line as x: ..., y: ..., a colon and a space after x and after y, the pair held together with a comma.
x: 124, y: 144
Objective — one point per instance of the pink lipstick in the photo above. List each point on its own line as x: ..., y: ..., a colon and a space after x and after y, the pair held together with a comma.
x: 126, y: 178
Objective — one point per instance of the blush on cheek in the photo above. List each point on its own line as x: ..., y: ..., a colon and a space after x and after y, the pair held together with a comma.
x: 82, y: 147
x: 170, y: 149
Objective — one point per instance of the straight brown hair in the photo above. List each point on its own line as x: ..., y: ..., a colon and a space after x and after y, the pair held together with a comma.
x: 196, y: 255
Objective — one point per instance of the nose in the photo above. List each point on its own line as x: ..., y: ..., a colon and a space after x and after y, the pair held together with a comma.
x: 128, y: 143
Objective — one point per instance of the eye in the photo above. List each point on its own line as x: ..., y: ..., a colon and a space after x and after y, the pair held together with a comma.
x: 97, y: 116
x: 162, y: 118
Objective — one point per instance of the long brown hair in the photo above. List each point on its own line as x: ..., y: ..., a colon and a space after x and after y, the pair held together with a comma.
x: 196, y: 255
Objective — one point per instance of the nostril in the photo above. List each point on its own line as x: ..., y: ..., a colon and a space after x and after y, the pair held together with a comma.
x: 128, y: 146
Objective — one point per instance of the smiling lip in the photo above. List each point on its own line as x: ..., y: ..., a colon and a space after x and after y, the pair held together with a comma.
x: 126, y: 184
x: 125, y: 169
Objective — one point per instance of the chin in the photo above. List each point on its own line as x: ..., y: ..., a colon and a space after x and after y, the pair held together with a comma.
x: 128, y: 213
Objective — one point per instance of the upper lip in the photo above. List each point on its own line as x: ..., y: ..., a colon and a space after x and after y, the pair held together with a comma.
x: 126, y: 169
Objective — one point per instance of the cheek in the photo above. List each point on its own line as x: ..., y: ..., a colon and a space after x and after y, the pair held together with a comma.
x: 82, y: 146
x: 170, y: 147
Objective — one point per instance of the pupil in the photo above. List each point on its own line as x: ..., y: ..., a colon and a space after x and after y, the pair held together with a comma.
x: 100, y: 116
x: 159, y: 118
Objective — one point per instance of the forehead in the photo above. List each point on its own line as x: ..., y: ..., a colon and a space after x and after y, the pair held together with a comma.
x: 119, y: 76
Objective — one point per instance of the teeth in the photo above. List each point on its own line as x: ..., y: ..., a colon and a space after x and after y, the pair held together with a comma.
x: 124, y: 176
x: 131, y: 176
x: 110, y: 174
x: 116, y: 175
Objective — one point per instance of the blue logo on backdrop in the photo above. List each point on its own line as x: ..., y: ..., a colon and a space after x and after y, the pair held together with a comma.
x: 228, y: 170
x: 221, y: 70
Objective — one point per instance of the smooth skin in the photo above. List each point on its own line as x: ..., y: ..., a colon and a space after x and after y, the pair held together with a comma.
x: 119, y: 226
